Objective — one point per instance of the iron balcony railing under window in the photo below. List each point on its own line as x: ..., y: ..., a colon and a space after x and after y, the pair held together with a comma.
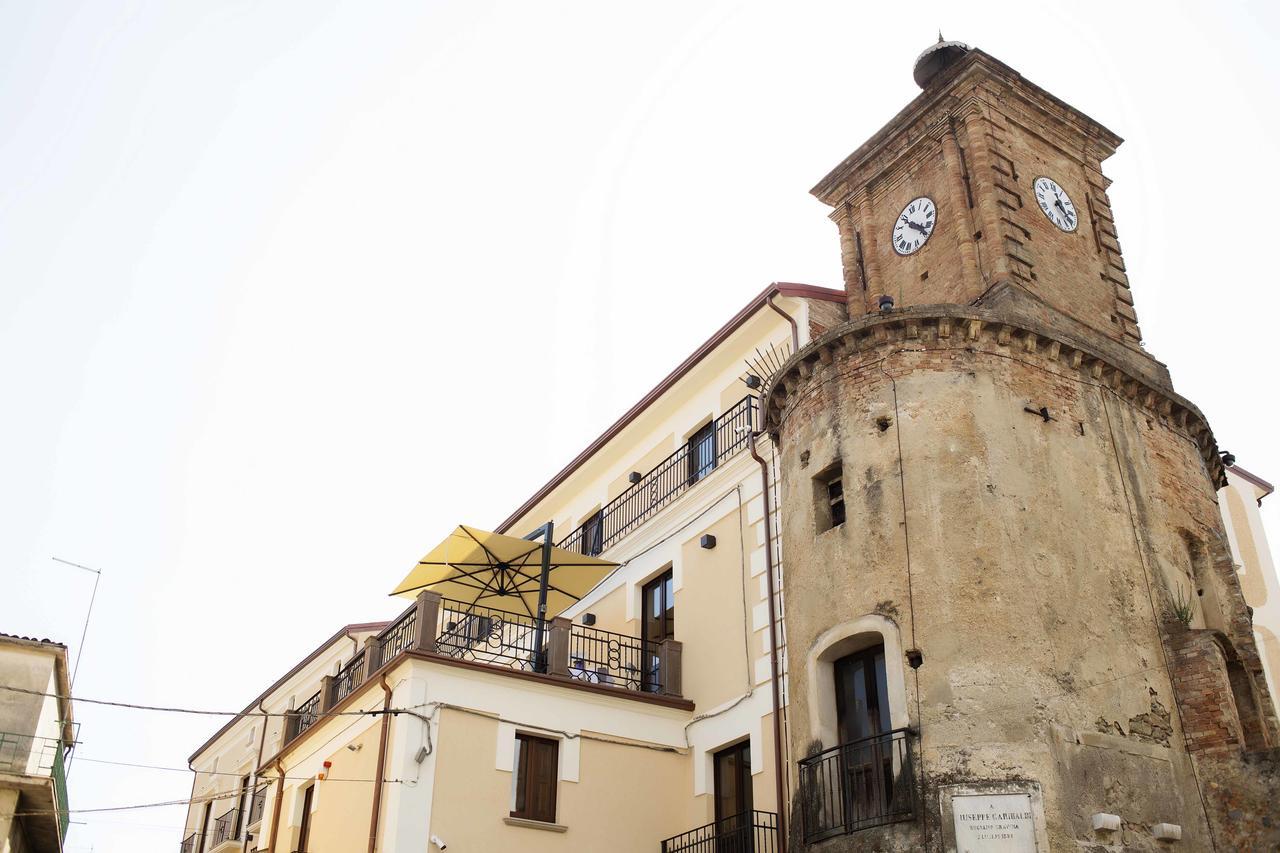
x: 257, y: 806
x: 858, y: 785
x: 749, y: 832
x: 226, y: 827
x: 348, y: 678
x: 722, y: 438
x: 189, y: 843
x: 28, y: 755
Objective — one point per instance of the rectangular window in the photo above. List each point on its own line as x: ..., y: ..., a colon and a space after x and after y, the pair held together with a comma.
x: 305, y: 831
x: 593, y: 534
x: 534, y: 777
x: 658, y: 623
x: 829, y: 496
x: 702, y: 452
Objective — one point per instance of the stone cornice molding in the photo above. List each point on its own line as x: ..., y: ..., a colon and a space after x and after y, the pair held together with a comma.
x: 958, y: 92
x: 951, y: 326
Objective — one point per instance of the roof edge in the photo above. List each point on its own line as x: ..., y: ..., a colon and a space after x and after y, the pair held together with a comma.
x: 1266, y: 487
x: 344, y: 631
x: 780, y: 288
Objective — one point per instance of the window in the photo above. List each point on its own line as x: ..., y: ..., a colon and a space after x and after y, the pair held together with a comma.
x: 862, y: 703
x: 658, y: 623
x: 242, y: 805
x: 829, y: 496
x: 305, y: 830
x: 702, y: 452
x: 733, y: 797
x: 533, y: 780
x: 593, y: 534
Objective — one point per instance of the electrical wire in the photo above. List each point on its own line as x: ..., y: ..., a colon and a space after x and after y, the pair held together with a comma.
x: 175, y: 710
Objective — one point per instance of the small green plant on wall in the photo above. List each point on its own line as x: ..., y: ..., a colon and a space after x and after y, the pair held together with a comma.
x: 1182, y: 606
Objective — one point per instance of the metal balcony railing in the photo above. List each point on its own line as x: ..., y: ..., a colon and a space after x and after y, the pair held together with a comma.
x: 603, y: 657
x: 257, y: 806
x: 749, y: 832
x: 28, y: 755
x: 302, y: 718
x: 188, y: 844
x: 728, y: 434
x: 226, y: 827
x: 858, y: 785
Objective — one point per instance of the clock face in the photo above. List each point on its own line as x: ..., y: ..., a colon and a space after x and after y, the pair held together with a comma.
x: 1056, y: 204
x: 914, y: 226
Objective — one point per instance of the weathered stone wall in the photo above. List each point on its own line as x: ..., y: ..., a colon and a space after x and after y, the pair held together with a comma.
x: 1038, y: 564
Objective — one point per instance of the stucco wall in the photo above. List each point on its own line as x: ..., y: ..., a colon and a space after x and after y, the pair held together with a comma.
x: 1043, y: 558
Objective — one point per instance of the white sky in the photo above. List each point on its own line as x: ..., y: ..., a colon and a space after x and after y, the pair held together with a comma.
x: 288, y: 289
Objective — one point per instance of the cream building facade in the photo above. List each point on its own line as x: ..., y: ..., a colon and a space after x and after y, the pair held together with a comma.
x: 1240, y: 501
x: 1005, y: 617
x: 37, y: 735
x: 674, y: 494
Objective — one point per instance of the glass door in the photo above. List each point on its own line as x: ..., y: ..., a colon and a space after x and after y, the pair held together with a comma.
x: 734, y: 824
x: 657, y: 623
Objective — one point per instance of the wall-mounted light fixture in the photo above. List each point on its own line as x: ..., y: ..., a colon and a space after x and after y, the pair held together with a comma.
x: 707, y: 541
x: 753, y: 381
x: 634, y: 477
x: 588, y: 619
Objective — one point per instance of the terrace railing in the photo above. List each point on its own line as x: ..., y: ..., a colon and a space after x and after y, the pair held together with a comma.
x: 348, y: 678
x: 749, y: 832
x: 858, y: 785
x: 603, y: 657
x: 188, y: 844
x: 669, y: 479
x: 303, y: 717
x: 500, y: 638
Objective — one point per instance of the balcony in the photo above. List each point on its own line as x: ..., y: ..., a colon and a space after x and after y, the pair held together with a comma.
x: 256, y: 807
x: 40, y: 768
x: 188, y: 844
x: 858, y: 785
x: 669, y: 479
x: 225, y: 829
x: 441, y: 627
x: 749, y: 832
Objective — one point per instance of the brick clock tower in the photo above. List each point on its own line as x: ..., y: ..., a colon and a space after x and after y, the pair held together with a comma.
x: 1013, y: 622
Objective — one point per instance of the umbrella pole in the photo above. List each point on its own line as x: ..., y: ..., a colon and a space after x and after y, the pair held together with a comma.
x: 546, y: 531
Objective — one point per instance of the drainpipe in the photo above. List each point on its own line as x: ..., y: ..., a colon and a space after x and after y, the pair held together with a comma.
x: 778, y: 746
x: 253, y: 782
x: 795, y: 330
x: 275, y: 811
x: 378, y: 776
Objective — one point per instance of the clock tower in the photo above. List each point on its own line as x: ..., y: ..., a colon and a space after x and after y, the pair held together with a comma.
x: 1022, y: 629
x: 1015, y: 176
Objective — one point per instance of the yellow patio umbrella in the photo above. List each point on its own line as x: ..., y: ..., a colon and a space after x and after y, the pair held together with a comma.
x: 477, y: 567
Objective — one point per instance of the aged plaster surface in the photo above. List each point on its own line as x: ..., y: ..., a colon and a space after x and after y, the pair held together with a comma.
x: 1046, y: 559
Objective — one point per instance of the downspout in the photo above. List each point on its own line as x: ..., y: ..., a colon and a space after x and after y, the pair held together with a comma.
x: 795, y: 330
x: 771, y: 576
x: 253, y: 781
x: 275, y: 811
x: 378, y: 775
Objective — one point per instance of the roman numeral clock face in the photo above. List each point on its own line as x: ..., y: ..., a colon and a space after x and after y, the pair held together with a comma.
x: 914, y: 226
x: 1056, y: 204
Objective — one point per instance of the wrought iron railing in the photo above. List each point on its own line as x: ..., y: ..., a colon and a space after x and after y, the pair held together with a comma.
x: 302, y: 718
x: 226, y: 827
x: 348, y: 678
x: 396, y: 637
x: 472, y: 632
x: 257, y: 805
x: 858, y: 785
x: 29, y: 755
x: 749, y: 832
x: 667, y: 481
x: 603, y: 657
x: 188, y: 844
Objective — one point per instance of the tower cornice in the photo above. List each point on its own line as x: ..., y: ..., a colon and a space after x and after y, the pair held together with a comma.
x: 923, y: 327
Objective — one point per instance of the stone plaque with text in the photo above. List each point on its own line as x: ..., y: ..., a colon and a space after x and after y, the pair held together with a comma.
x: 994, y: 823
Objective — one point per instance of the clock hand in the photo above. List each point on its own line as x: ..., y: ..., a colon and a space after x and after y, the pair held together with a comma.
x: 1060, y: 205
x: 919, y: 228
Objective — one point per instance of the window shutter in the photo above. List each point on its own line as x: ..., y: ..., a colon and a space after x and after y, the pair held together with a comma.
x: 537, y: 772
